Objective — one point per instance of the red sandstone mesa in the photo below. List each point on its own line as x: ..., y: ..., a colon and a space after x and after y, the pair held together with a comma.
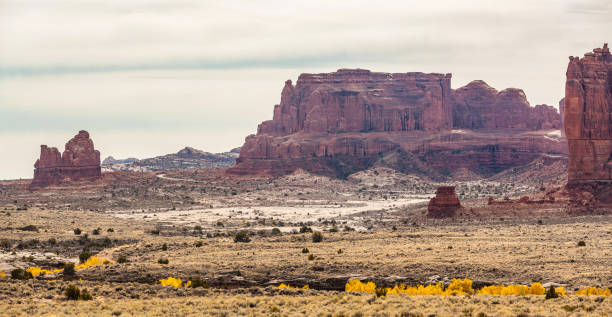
x: 80, y: 161
x: 588, y: 128
x: 445, y: 204
x: 337, y: 123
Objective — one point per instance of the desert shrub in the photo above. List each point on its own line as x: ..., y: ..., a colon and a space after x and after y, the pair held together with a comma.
x: 52, y: 241
x: 69, y: 269
x: 72, y: 292
x: 581, y: 243
x: 110, y: 230
x: 333, y: 229
x: 311, y: 257
x: 381, y: 292
x: 85, y: 295
x: 317, y: 237
x: 340, y: 251
x: 276, y: 231
x: 122, y: 259
x: 197, y: 229
x: 163, y: 261
x: 164, y: 247
x: 21, y: 274
x: 29, y: 228
x: 5, y: 244
x: 198, y: 244
x: 394, y: 228
x: 154, y: 231
x: 96, y: 231
x: 242, y: 236
x: 305, y: 229
x: 77, y: 231
x: 84, y: 256
x: 196, y: 282
x: 551, y: 293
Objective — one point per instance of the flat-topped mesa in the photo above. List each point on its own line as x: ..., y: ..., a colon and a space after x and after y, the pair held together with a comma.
x: 356, y: 100
x: 80, y: 161
x: 480, y: 106
x: 445, y: 204
x: 344, y: 121
x: 588, y: 128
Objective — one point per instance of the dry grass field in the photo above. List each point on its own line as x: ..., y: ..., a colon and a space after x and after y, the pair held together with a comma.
x: 374, y: 234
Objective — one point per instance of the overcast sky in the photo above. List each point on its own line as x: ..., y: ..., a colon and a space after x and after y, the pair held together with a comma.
x: 149, y: 77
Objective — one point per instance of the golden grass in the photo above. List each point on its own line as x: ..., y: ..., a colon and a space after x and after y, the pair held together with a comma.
x: 321, y: 304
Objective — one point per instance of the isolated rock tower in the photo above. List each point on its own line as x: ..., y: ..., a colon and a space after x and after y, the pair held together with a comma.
x: 80, y: 161
x: 588, y: 128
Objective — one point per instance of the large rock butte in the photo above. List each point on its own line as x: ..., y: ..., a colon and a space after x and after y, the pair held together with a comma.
x: 588, y: 128
x: 80, y: 161
x: 337, y: 123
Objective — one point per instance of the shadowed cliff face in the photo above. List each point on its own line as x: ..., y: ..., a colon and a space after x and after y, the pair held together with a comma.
x: 80, y: 161
x: 588, y: 127
x: 339, y: 122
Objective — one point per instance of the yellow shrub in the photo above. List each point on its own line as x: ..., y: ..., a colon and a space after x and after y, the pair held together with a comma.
x: 358, y: 286
x: 593, y: 291
x: 188, y: 284
x: 536, y: 289
x: 171, y: 281
x: 561, y: 291
x: 36, y: 271
x: 2, y: 275
x: 459, y: 287
x: 92, y: 261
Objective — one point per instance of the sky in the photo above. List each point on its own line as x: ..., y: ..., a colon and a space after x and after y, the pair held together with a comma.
x: 148, y: 78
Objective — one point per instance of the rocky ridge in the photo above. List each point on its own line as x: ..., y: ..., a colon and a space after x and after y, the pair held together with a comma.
x: 185, y: 159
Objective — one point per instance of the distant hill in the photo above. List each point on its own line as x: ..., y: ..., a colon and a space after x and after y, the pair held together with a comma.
x: 185, y: 159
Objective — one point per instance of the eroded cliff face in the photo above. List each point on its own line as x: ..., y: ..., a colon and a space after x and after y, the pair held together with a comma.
x: 345, y: 121
x: 480, y: 106
x: 80, y: 161
x: 362, y: 101
x: 588, y: 127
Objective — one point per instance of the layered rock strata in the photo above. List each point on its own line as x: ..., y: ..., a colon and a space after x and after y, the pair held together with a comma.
x: 445, y: 204
x: 588, y: 128
x: 79, y: 161
x: 341, y: 122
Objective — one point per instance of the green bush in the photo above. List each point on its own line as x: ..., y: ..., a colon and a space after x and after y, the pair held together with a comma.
x: 551, y: 293
x: 21, y: 274
x: 581, y: 243
x: 305, y: 250
x: 317, y: 237
x: 84, y: 256
x: 163, y: 261
x: 311, y: 257
x: 85, y: 295
x: 96, y: 231
x: 69, y: 269
x: 242, y: 236
x: 198, y: 244
x: 305, y: 229
x: 164, y: 247
x: 197, y: 282
x: 72, y: 292
x: 381, y: 292
x: 276, y: 231
x: 77, y: 231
